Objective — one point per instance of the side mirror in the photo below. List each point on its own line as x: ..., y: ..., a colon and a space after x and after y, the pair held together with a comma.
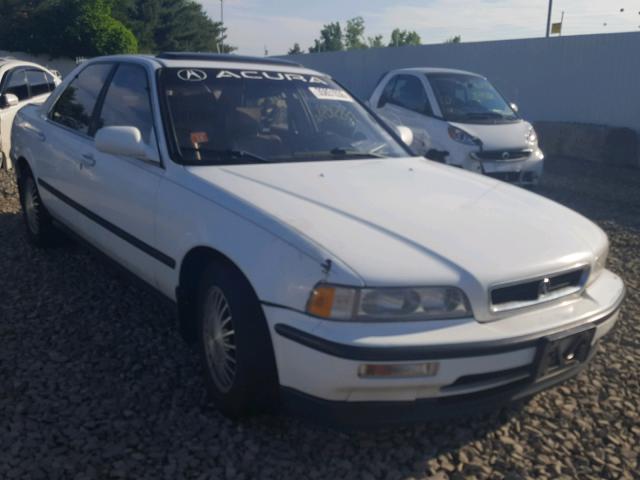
x: 406, y: 134
x: 8, y: 100
x: 383, y: 100
x: 124, y: 141
x: 514, y: 107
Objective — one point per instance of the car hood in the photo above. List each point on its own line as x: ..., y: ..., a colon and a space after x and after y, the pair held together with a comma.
x: 414, y: 222
x: 499, y: 136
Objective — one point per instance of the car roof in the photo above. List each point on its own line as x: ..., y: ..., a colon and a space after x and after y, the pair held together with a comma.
x: 213, y: 60
x: 224, y: 57
x: 8, y: 61
x: 434, y: 70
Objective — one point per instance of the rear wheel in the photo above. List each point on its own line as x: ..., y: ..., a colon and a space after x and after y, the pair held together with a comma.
x: 40, y: 229
x: 235, y: 344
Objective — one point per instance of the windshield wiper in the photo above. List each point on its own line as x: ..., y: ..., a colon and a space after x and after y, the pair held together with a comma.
x: 229, y: 153
x: 341, y: 152
x: 483, y: 115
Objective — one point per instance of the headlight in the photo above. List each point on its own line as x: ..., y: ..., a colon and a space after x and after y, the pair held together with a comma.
x: 460, y: 136
x: 361, y: 304
x: 532, y: 137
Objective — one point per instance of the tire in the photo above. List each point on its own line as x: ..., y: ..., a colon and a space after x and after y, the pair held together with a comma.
x: 235, y: 345
x: 38, y: 223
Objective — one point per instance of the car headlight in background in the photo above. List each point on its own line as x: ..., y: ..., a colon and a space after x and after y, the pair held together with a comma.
x: 532, y: 136
x: 460, y: 136
x: 361, y: 304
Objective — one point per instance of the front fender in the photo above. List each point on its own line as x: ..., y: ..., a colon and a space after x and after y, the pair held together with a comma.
x: 281, y: 271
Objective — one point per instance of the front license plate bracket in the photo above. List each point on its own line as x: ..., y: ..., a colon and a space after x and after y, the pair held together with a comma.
x: 564, y: 351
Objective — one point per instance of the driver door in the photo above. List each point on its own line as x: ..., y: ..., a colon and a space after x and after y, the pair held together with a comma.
x: 405, y: 102
x: 120, y: 192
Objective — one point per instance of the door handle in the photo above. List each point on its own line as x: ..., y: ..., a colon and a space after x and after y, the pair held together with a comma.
x: 88, y: 160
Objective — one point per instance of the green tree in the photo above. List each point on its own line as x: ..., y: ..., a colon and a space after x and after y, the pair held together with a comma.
x: 354, y: 34
x: 63, y: 28
x: 16, y: 17
x: 170, y: 25
x: 295, y: 50
x: 71, y: 28
x: 456, y: 39
x: 95, y: 27
x: 375, y: 42
x: 330, y: 39
x: 401, y: 38
x: 142, y: 18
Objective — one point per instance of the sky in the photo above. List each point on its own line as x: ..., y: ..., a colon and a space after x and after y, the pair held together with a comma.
x: 275, y: 25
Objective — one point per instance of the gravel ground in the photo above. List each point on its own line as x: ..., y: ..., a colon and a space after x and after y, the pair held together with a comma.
x: 96, y: 383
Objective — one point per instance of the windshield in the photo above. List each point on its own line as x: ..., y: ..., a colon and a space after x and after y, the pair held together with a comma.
x: 247, y: 116
x: 469, y: 99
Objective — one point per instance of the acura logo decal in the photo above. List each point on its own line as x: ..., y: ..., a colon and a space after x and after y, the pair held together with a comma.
x: 543, y: 288
x: 192, y: 75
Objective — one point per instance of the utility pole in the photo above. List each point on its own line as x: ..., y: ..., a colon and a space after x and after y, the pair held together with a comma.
x: 221, y: 26
x: 548, y: 17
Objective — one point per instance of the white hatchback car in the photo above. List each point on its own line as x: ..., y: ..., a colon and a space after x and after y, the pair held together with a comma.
x: 317, y: 264
x: 20, y: 83
x: 460, y: 118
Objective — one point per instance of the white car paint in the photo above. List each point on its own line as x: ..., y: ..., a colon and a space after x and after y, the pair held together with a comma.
x: 7, y: 66
x: 380, y: 222
x: 431, y: 136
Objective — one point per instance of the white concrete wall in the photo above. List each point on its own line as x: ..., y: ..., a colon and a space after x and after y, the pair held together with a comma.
x: 63, y: 65
x: 588, y: 79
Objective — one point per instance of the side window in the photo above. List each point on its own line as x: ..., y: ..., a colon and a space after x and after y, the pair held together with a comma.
x: 17, y: 84
x: 74, y: 108
x: 410, y: 94
x: 386, y: 94
x: 127, y: 101
x: 40, y: 82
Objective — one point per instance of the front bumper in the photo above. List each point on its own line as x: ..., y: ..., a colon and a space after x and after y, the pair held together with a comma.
x: 525, y: 171
x: 381, y: 414
x: 319, y: 361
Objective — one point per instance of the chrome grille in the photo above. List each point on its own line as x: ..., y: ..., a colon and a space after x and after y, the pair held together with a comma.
x: 538, y: 290
x: 511, y: 177
x: 505, y: 155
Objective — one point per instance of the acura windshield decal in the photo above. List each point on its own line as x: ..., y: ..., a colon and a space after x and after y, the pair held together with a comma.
x: 193, y: 75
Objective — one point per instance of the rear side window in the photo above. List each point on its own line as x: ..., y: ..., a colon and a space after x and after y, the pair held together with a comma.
x: 409, y: 93
x: 17, y: 84
x: 40, y: 82
x: 74, y: 108
x: 127, y: 101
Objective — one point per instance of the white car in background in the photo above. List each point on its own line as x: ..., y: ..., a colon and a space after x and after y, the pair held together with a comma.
x: 459, y: 118
x: 316, y: 262
x: 21, y: 83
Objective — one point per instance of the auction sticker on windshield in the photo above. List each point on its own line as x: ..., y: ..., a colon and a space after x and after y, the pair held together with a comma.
x: 330, y: 94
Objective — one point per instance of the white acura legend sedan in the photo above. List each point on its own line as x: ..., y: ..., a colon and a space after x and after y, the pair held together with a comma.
x: 318, y: 264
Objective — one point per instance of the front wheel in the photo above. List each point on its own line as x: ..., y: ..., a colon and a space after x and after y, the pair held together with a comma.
x: 235, y: 344
x: 40, y: 229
